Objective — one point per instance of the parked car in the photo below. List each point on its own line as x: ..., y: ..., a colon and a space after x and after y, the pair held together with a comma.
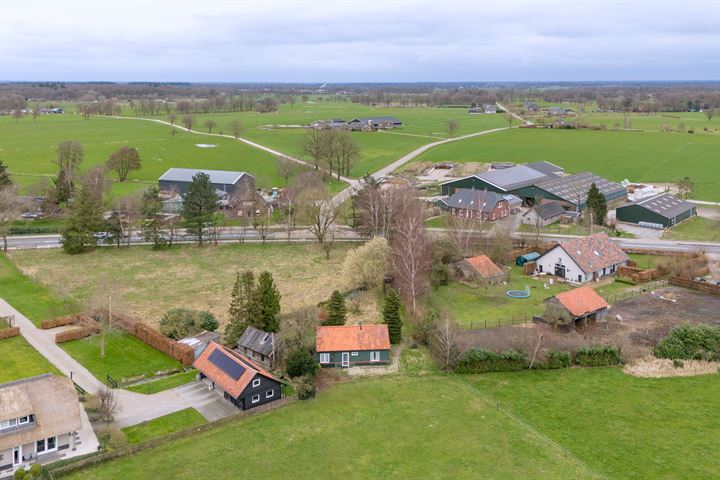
x: 101, y: 235
x: 30, y: 216
x: 699, y: 279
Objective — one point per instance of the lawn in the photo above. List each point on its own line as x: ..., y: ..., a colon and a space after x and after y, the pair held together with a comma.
x: 164, y: 425
x: 28, y: 149
x: 29, y: 297
x: 21, y: 360
x: 622, y: 426
x: 637, y: 156
x: 441, y: 221
x: 125, y: 357
x: 570, y: 229
x: 146, y: 283
x: 696, y: 228
x: 165, y: 383
x: 472, y: 307
x: 401, y: 427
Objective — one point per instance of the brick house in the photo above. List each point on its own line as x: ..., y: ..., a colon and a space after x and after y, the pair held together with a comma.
x: 481, y: 204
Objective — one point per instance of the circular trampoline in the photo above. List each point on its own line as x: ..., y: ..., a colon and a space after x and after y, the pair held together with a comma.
x: 518, y: 293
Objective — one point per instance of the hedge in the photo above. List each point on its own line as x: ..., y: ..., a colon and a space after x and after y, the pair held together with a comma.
x: 59, y: 321
x: 690, y: 342
x: 557, y: 359
x: 601, y: 356
x: 9, y: 332
x: 478, y: 360
x: 76, y: 333
x: 30, y: 230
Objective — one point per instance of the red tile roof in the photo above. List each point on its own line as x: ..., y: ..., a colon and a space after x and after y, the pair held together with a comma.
x: 581, y: 301
x: 594, y: 252
x: 484, y: 266
x: 222, y: 379
x: 352, y: 337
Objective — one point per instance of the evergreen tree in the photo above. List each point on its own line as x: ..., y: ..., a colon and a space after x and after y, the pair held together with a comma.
x: 63, y: 187
x: 242, y: 308
x: 391, y: 317
x: 267, y: 304
x: 336, y: 309
x: 150, y: 208
x: 4, y: 176
x: 597, y: 204
x: 85, y: 220
x: 199, y: 205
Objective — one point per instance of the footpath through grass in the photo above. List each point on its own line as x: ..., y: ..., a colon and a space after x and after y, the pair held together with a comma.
x: 397, y: 427
x: 622, y: 426
x: 164, y: 425
x: 29, y: 297
x: 21, y: 360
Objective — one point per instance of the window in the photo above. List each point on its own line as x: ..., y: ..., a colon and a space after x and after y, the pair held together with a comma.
x: 354, y: 354
x: 270, y: 394
x: 40, y: 446
x: 52, y: 443
x: 255, y: 398
x: 324, y: 358
x: 375, y: 356
x: 256, y: 382
x: 23, y: 420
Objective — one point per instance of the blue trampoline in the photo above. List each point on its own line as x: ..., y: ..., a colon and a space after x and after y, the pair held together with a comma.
x: 518, y: 293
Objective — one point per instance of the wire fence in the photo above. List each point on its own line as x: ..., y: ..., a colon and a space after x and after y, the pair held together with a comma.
x: 495, y: 322
x: 627, y: 293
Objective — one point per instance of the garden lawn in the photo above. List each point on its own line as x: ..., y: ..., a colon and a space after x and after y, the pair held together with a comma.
x: 473, y: 308
x: 165, y: 383
x: 21, y: 360
x: 622, y: 426
x: 29, y: 297
x: 125, y: 357
x: 637, y: 156
x: 395, y: 427
x: 696, y: 228
x: 164, y: 425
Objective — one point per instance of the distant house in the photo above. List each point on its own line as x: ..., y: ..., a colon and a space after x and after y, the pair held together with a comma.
x: 582, y: 259
x: 258, y: 345
x: 489, y: 108
x: 544, y: 214
x: 352, y: 345
x: 556, y: 111
x: 665, y: 210
x: 334, y: 124
x: 582, y: 303
x: 39, y: 422
x: 177, y: 180
x: 242, y: 382
x: 530, y: 106
x: 480, y: 204
x: 200, y: 341
x: 479, y: 267
x: 375, y: 123
x: 475, y: 110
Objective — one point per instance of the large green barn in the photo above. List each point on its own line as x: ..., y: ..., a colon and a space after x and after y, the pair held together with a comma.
x: 664, y: 209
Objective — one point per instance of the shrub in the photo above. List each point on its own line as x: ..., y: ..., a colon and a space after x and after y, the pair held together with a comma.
x: 19, y: 474
x: 439, y: 274
x: 690, y: 342
x: 305, y: 388
x: 557, y: 359
x: 600, y: 356
x: 178, y: 323
x: 478, y: 360
x: 36, y: 471
x: 626, y: 281
x: 208, y: 321
x: 300, y: 362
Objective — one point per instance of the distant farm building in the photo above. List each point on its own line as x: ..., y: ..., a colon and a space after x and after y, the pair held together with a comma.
x: 480, y: 204
x: 178, y: 179
x: 572, y: 190
x: 665, y: 209
x: 332, y: 124
x: 544, y: 214
x: 582, y: 259
x: 375, y: 123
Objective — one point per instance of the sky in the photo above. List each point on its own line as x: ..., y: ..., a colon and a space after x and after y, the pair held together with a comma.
x: 322, y: 41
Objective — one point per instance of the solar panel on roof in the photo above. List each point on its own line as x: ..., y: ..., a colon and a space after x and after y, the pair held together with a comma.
x: 221, y: 360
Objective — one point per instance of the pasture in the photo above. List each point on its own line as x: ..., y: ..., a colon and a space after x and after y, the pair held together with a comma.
x: 638, y: 156
x: 164, y: 425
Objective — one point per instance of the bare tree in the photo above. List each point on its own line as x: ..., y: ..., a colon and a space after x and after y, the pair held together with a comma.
x: 172, y: 117
x: 709, y: 113
x: 462, y: 232
x: 97, y: 182
x: 123, y: 161
x: 237, y: 128
x: 129, y: 209
x: 35, y: 112
x: 11, y: 206
x: 188, y: 121
x: 382, y: 208
x: 287, y: 207
x: 442, y: 342
x: 316, y: 207
x: 69, y: 157
x: 210, y: 124
x: 452, y: 127
x: 509, y: 119
x: 109, y: 405
x: 501, y: 239
x: 313, y: 145
x: 286, y: 168
x: 17, y: 114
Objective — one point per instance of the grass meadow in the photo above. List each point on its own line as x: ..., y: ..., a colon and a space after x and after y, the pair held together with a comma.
x: 164, y: 425
x: 696, y: 228
x: 164, y: 383
x: 21, y: 360
x: 637, y: 156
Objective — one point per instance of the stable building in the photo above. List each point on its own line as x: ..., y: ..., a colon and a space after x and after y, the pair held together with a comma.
x: 582, y: 303
x: 519, y: 180
x: 664, y: 210
x: 375, y: 123
x: 352, y: 345
x: 583, y: 259
x: 571, y: 191
x: 177, y: 180
x: 241, y: 381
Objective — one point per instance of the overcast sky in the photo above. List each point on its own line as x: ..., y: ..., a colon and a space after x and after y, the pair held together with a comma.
x: 359, y: 40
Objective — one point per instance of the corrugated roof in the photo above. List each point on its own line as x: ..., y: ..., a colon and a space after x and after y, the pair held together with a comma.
x: 257, y: 341
x: 514, y: 177
x: 549, y: 210
x: 574, y: 188
x: 581, y: 301
x: 476, y: 200
x: 545, y: 167
x: 665, y: 204
x: 216, y: 176
x: 352, y: 338
x: 374, y: 120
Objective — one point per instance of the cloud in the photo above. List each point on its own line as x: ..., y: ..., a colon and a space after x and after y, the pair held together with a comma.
x: 370, y: 40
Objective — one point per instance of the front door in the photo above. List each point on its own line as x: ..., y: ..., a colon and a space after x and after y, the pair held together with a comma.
x: 559, y: 270
x: 345, y: 359
x: 17, y: 455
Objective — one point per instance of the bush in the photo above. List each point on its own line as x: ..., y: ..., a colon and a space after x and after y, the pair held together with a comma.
x: 305, y: 388
x: 601, y: 356
x: 690, y: 342
x: 208, y: 321
x: 478, y: 360
x: 179, y: 323
x: 19, y: 474
x: 439, y: 274
x: 626, y: 281
x: 300, y: 362
x: 558, y: 359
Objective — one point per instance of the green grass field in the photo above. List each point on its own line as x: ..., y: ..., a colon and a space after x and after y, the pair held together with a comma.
x: 570, y: 229
x: 21, y: 360
x: 29, y: 297
x: 402, y: 427
x: 125, y: 357
x: 637, y: 156
x: 622, y: 426
x: 165, y: 383
x: 696, y: 228
x: 164, y: 425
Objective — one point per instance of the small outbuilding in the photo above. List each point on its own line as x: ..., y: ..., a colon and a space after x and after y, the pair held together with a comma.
x: 528, y: 257
x: 200, y: 341
x: 543, y: 214
x: 664, y: 209
x: 479, y: 266
x: 258, y: 345
x: 352, y: 345
x: 582, y: 303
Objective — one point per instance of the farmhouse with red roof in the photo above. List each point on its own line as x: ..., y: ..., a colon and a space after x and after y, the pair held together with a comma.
x: 352, y: 345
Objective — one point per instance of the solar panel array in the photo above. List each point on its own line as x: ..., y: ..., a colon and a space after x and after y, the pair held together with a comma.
x: 226, y: 364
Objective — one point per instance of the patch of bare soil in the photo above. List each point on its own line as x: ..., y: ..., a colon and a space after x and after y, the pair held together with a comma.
x: 651, y: 367
x: 470, y: 168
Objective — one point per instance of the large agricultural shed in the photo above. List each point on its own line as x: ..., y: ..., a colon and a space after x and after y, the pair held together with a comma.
x: 572, y: 190
x: 178, y: 179
x: 663, y: 209
x: 518, y: 180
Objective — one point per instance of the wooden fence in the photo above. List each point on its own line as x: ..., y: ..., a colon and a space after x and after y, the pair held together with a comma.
x: 704, y: 287
x: 9, y: 332
x: 179, y: 351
